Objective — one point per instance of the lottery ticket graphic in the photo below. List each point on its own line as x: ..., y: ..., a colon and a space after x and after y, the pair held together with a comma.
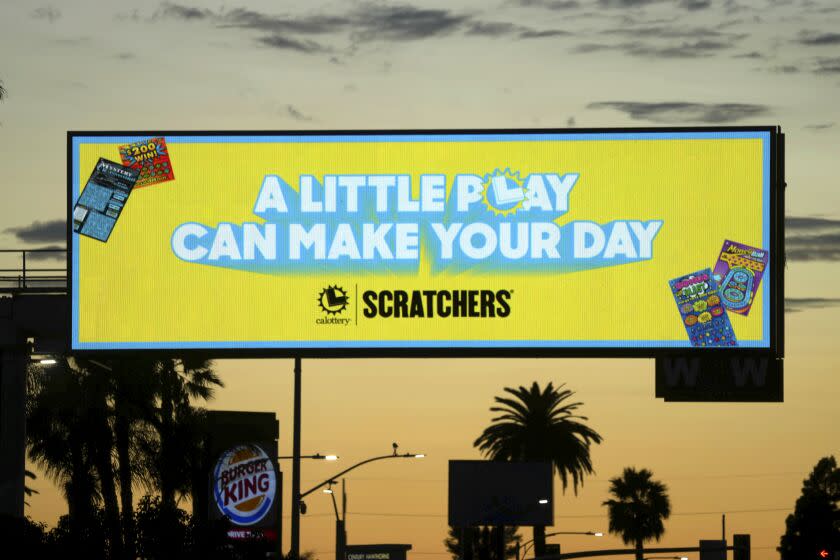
x: 151, y: 158
x: 103, y: 199
x: 739, y: 269
x: 702, y: 312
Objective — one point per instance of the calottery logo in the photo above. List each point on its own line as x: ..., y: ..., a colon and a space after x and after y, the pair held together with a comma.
x: 332, y: 301
x: 374, y: 224
x: 244, y: 484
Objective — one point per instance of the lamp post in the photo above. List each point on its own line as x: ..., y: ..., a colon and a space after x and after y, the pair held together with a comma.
x: 297, y: 498
x: 525, y: 546
x: 315, y: 456
x: 340, y: 529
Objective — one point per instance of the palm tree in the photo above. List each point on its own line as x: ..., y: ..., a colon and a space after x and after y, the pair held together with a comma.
x: 130, y: 390
x: 59, y: 442
x: 178, y: 423
x: 638, y: 508
x: 27, y: 491
x: 538, y: 425
x: 482, y: 542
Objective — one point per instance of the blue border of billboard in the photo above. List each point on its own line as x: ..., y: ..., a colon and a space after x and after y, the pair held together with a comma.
x: 444, y: 347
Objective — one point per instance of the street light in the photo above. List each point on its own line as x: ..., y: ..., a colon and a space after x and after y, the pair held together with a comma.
x: 331, y: 479
x: 298, y: 505
x: 529, y: 543
x: 315, y: 456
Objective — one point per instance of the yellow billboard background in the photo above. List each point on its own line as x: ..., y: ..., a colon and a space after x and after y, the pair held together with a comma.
x: 132, y: 291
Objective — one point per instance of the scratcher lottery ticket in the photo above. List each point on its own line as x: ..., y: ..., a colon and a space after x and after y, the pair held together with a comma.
x: 739, y: 269
x: 702, y: 311
x: 103, y: 199
x: 151, y: 158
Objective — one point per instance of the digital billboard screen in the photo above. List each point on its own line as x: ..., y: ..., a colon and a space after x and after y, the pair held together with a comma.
x: 515, y: 242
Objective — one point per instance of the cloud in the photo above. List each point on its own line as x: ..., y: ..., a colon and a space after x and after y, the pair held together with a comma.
x: 506, y: 29
x: 40, y: 232
x: 492, y: 29
x: 313, y: 24
x: 795, y: 305
x: 48, y: 253
x: 695, y: 5
x: 753, y: 54
x: 695, y: 49
x: 812, y: 238
x: 703, y: 42
x: 534, y: 34
x: 626, y: 3
x: 684, y: 112
x: 827, y: 65
x: 810, y: 223
x: 46, y: 12
x: 586, y: 48
x: 785, y: 69
x: 177, y: 11
x: 671, y: 31
x: 287, y: 43
x: 815, y: 38
x: 559, y: 5
x: 365, y: 23
x: 295, y: 113
x: 819, y: 126
x: 405, y: 22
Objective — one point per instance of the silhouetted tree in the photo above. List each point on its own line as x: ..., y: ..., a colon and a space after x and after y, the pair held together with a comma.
x: 91, y: 423
x: 27, y: 490
x: 638, y: 508
x: 815, y: 522
x: 162, y: 532
x: 129, y: 384
x: 538, y: 425
x: 59, y: 442
x: 178, y: 423
x: 482, y: 543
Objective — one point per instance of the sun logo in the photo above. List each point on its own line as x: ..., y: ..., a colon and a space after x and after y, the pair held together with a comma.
x: 333, y: 300
x: 504, y: 192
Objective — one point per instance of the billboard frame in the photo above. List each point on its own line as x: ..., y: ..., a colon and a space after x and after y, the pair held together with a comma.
x: 777, y: 187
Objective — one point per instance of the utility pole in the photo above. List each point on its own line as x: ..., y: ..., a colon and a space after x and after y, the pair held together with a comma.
x: 295, y: 545
x: 13, y: 359
x: 341, y: 527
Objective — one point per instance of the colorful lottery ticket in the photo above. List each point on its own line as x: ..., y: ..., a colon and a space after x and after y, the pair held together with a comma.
x: 739, y: 269
x: 102, y: 201
x: 151, y: 158
x: 702, y: 311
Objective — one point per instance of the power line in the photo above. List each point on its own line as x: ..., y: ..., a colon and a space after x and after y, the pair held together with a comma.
x: 687, y: 477
x: 578, y: 516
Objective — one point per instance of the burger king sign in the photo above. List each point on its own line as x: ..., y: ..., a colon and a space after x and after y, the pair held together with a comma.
x: 244, y: 484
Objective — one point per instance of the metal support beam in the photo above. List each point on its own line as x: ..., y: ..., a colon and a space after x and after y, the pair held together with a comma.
x: 12, y: 429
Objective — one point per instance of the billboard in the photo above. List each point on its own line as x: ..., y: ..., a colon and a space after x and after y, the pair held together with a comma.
x: 500, y: 493
x: 532, y: 242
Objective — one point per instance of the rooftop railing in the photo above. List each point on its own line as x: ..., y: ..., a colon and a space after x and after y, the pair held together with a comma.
x: 33, y: 270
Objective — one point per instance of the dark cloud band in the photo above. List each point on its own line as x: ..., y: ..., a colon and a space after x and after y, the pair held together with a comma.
x: 679, y: 112
x: 51, y: 231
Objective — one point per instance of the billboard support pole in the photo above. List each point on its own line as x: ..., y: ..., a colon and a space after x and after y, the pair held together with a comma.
x: 295, y: 545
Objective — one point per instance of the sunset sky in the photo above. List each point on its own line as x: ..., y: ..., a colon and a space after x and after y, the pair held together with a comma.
x: 89, y: 65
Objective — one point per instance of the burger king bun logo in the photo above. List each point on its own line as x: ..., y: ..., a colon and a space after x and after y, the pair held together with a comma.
x: 244, y: 484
